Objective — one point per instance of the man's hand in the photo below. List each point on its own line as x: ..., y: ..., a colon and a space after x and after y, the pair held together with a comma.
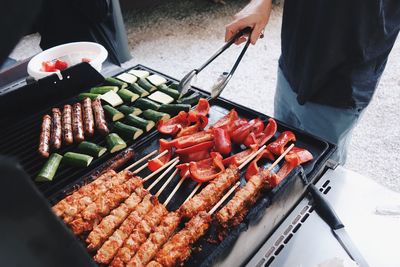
x: 254, y: 15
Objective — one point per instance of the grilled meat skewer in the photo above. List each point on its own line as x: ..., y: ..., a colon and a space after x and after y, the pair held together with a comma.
x: 44, y: 142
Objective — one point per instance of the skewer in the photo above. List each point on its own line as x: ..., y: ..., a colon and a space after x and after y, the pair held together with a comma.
x: 141, y: 160
x: 174, y: 191
x: 251, y: 157
x: 166, y: 183
x: 193, y: 192
x: 280, y: 157
x: 159, y: 170
x: 145, y: 165
x: 175, y: 162
x: 224, y: 198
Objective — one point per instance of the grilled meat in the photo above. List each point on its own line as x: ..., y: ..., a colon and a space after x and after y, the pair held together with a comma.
x: 44, y: 142
x: 56, y: 130
x: 88, y: 120
x: 77, y: 125
x: 67, y: 125
x: 117, y: 162
x: 101, y: 124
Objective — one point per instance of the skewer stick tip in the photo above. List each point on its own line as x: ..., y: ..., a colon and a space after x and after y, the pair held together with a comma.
x: 280, y: 157
x: 251, y: 157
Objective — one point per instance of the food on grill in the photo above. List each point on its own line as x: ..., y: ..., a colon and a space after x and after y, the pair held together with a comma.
x: 139, y: 73
x: 126, y: 77
x: 103, y: 89
x: 88, y: 119
x: 139, y: 235
x: 138, y: 90
x: 67, y: 125
x: 108, y: 250
x: 222, y: 141
x: 207, y: 169
x: 146, y: 85
x: 227, y: 121
x: 49, y: 169
x: 112, y: 98
x: 148, y: 250
x: 77, y: 159
x: 178, y: 248
x: 138, y: 122
x: 263, y: 137
x: 144, y: 104
x: 156, y: 79
x: 155, y: 116
x: 128, y: 130
x: 195, y: 153
x: 158, y: 162
x: 169, y: 91
x: 108, y: 224
x: 240, y: 157
x: 191, y: 99
x: 91, y: 149
x: 174, y: 109
x: 82, y: 96
x: 279, y: 145
x: 210, y: 194
x: 116, y: 162
x: 130, y: 110
x: 127, y: 96
x: 161, y: 98
x: 191, y: 140
x: 77, y: 124
x: 56, y: 130
x: 115, y: 143
x: 113, y: 113
x: 253, y: 168
x: 115, y: 82
x: 100, y: 121
x: 173, y: 125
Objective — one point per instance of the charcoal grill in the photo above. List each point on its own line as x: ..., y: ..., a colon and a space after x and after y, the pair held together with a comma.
x: 20, y: 140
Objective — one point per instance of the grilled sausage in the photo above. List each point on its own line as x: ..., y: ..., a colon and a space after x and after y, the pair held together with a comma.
x: 77, y: 125
x: 67, y: 125
x: 115, y: 163
x: 101, y: 124
x: 44, y: 143
x: 88, y: 120
x: 56, y: 130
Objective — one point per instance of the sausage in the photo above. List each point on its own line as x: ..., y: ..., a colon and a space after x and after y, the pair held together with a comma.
x: 67, y: 125
x: 56, y: 130
x: 88, y: 120
x: 44, y: 143
x: 77, y: 125
x: 101, y: 124
x: 116, y: 162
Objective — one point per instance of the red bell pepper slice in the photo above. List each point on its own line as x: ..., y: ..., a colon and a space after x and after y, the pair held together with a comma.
x: 222, y: 141
x: 239, y: 135
x: 258, y: 126
x: 226, y: 122
x: 60, y: 64
x: 294, y: 158
x: 48, y: 66
x: 157, y: 163
x: 183, y: 170
x: 173, y: 125
x: 263, y: 137
x: 195, y: 153
x: 193, y: 139
x: 253, y: 168
x: 206, y: 170
x: 202, y: 109
x: 237, y: 124
x: 240, y: 157
x: 189, y: 129
x: 278, y: 146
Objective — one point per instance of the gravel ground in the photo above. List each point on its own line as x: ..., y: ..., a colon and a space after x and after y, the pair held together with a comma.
x: 178, y: 36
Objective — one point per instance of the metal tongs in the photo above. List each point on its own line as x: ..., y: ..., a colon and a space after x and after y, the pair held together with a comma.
x: 223, y: 80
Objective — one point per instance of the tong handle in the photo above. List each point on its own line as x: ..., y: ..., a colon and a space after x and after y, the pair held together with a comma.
x: 224, y: 47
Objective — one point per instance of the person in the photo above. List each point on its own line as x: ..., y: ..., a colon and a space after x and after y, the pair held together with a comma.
x: 333, y: 54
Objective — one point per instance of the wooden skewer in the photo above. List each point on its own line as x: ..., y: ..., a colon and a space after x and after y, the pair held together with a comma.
x: 171, y: 166
x: 166, y: 183
x: 174, y: 191
x: 145, y: 165
x: 280, y: 157
x: 141, y: 160
x: 224, y: 198
x: 193, y: 192
x: 251, y: 157
x: 159, y: 170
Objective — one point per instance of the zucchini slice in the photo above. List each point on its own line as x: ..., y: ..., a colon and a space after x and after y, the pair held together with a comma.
x: 115, y: 82
x: 138, y: 90
x: 138, y: 122
x: 127, y: 95
x: 128, y: 130
x: 113, y: 113
x: 156, y: 79
x: 174, y: 109
x: 91, y: 149
x: 115, y: 143
x: 174, y: 86
x: 49, y: 169
x: 77, y: 159
x: 130, y: 110
x: 169, y: 91
x: 146, y: 85
x: 139, y: 73
x: 128, y: 78
x: 144, y: 103
x: 155, y: 115
x: 82, y: 96
x: 192, y: 99
x: 161, y: 98
x: 103, y: 89
x: 112, y: 98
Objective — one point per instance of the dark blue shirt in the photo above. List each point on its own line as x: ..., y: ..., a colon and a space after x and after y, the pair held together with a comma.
x: 334, y: 51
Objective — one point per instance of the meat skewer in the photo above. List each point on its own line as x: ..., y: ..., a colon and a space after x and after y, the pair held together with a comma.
x: 56, y: 131
x: 77, y: 124
x: 100, y: 121
x: 135, y: 231
x: 88, y: 119
x: 44, y: 142
x: 67, y: 125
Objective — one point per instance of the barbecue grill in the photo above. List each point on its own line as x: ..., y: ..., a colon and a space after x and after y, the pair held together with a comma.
x: 20, y: 139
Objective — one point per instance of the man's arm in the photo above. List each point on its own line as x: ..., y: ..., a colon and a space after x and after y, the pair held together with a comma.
x: 255, y: 15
